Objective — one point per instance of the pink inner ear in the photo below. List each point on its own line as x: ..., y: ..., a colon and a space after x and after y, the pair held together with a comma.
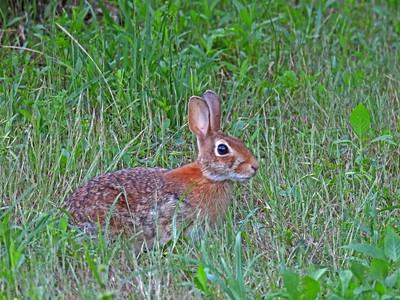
x: 198, y: 117
x: 202, y: 122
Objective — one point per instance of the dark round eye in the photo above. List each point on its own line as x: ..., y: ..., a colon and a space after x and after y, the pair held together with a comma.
x: 222, y: 149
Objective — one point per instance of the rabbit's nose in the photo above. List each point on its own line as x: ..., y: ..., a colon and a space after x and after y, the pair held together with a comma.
x: 254, y: 164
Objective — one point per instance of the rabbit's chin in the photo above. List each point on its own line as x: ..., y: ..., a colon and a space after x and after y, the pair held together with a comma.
x: 233, y: 177
x: 242, y: 177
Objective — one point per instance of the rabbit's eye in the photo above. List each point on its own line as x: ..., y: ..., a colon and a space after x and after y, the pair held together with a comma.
x: 222, y: 149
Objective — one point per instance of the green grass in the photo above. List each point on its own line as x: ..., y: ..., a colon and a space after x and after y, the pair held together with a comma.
x: 82, y: 98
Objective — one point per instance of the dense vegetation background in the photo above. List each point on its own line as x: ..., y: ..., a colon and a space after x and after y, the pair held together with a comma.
x: 312, y: 87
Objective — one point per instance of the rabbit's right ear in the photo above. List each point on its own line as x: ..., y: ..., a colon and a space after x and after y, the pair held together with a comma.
x: 199, y: 118
x: 215, y: 110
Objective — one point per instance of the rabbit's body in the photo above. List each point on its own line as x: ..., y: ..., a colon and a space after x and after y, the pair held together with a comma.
x: 146, y: 207
x: 149, y: 202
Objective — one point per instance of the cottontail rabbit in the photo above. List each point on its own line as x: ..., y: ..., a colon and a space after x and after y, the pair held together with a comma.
x: 149, y: 202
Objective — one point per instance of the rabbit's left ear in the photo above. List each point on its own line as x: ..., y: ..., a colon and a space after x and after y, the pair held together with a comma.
x: 215, y: 110
x: 199, y: 118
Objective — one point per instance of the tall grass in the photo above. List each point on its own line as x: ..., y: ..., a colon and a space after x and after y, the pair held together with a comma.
x: 82, y: 96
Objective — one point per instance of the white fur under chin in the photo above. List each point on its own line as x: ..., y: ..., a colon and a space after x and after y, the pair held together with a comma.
x: 215, y: 177
x: 224, y: 178
x: 242, y: 177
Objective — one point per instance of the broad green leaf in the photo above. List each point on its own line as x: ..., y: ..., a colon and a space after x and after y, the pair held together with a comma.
x: 363, y: 289
x: 309, y: 289
x: 291, y: 283
x: 380, y: 288
x: 360, y: 120
x: 63, y: 223
x: 318, y: 273
x: 359, y: 271
x: 391, y: 280
x: 392, y: 245
x: 378, y: 270
x: 202, y: 277
x: 26, y: 114
x: 345, y: 278
x: 370, y: 250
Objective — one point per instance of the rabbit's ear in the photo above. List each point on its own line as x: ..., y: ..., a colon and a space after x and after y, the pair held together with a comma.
x: 215, y: 110
x: 199, y: 118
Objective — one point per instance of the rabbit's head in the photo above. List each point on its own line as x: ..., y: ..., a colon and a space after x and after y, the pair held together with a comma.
x: 221, y: 157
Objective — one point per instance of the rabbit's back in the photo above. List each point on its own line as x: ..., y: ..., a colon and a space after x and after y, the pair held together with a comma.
x: 125, y: 199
